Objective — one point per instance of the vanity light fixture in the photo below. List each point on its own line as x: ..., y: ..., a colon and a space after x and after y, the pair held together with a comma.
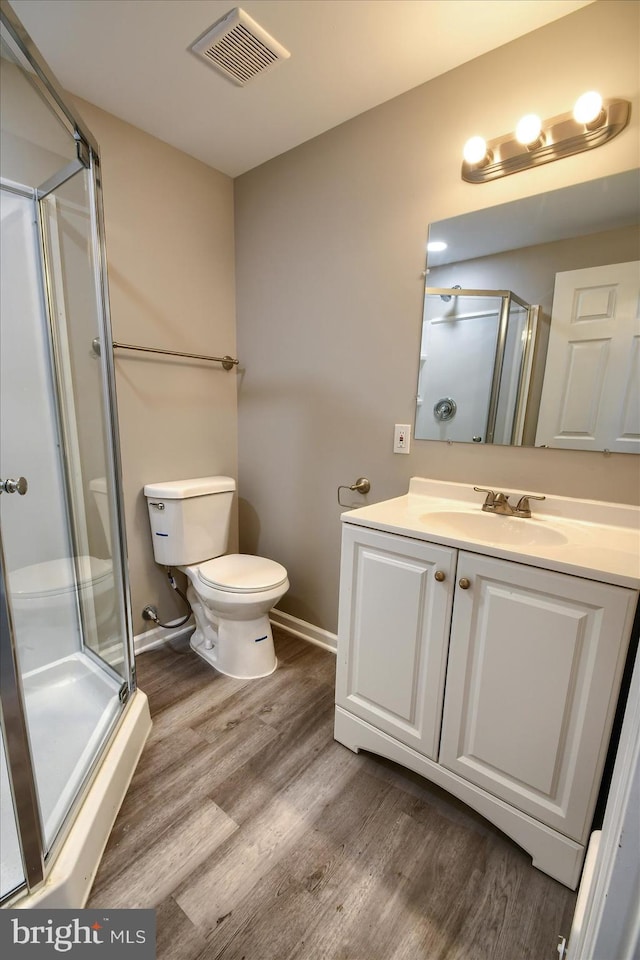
x: 592, y: 122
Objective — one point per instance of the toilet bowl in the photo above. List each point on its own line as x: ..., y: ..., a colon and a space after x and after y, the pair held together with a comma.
x: 231, y: 597
x: 44, y: 602
x: 230, y: 594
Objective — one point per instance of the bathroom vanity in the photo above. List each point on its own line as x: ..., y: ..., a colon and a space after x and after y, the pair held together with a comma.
x: 485, y: 652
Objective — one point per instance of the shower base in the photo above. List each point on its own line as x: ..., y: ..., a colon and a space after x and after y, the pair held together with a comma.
x: 71, y: 706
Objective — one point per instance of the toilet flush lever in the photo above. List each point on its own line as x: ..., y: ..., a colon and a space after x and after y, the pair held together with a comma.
x: 154, y: 503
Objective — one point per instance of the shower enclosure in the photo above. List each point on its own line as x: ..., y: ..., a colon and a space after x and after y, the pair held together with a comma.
x: 475, y: 365
x: 73, y: 723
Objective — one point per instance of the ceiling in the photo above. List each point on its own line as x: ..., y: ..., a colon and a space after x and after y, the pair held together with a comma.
x: 132, y: 58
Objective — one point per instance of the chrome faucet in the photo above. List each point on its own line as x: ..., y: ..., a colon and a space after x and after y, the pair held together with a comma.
x: 499, y: 503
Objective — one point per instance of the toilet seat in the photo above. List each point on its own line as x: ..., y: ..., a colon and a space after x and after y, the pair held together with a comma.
x: 53, y: 577
x: 242, y: 573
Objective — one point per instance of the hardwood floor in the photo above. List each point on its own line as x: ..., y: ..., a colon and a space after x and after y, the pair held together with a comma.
x: 257, y: 837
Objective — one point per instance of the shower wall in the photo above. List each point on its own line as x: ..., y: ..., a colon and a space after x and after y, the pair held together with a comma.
x: 40, y: 533
x: 25, y: 376
x: 456, y: 362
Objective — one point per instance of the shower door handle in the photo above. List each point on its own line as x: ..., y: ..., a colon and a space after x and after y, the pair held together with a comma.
x: 14, y: 486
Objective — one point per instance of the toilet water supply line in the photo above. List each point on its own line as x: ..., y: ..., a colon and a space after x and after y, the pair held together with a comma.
x: 150, y: 612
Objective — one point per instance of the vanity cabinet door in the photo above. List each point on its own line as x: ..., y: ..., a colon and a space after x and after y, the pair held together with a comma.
x: 534, y: 671
x: 393, y: 633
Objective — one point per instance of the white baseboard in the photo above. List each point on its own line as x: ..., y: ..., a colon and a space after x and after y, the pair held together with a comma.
x: 157, y: 636
x: 306, y: 631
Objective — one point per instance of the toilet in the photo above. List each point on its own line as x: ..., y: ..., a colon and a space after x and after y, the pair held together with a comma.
x: 230, y: 594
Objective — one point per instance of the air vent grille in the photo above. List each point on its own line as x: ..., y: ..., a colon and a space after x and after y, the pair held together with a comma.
x: 239, y: 48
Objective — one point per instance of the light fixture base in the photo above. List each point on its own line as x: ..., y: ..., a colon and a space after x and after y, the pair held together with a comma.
x: 563, y: 137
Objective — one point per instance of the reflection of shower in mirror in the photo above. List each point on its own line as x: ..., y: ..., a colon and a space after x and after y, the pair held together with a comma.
x: 478, y: 350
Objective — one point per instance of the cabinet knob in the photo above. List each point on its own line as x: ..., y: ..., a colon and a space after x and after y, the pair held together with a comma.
x: 464, y: 583
x: 440, y: 575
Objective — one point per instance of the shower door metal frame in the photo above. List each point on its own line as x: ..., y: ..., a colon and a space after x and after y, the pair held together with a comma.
x: 107, y: 367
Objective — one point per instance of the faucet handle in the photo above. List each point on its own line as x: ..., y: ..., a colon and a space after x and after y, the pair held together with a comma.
x: 523, y: 508
x: 489, y: 499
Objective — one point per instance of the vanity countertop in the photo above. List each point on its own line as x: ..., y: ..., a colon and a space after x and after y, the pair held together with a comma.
x: 587, y: 538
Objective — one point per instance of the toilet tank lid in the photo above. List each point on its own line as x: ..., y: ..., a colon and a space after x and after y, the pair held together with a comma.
x: 180, y: 489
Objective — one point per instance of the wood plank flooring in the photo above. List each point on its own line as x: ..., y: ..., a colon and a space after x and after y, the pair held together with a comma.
x: 257, y: 837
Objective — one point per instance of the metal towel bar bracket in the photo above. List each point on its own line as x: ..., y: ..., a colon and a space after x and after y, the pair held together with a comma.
x: 227, y: 362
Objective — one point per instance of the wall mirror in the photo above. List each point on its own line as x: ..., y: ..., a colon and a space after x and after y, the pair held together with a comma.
x: 531, y: 322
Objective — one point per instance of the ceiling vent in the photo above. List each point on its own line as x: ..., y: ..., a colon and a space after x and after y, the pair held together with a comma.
x: 239, y: 48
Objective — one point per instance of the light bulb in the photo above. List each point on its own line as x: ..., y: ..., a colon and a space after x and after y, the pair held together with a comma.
x: 588, y: 107
x: 436, y: 246
x: 475, y: 150
x: 528, y: 129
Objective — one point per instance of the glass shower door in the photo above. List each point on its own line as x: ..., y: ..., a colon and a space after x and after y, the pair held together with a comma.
x: 71, y: 269
x: 67, y: 635
x: 61, y: 584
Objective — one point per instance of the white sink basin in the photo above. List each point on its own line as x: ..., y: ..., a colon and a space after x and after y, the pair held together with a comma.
x: 492, y: 528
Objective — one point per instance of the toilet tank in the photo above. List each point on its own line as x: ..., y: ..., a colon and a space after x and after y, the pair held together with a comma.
x: 189, y: 519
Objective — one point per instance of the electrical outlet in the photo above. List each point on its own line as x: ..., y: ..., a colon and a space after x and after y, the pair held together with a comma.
x: 402, y: 438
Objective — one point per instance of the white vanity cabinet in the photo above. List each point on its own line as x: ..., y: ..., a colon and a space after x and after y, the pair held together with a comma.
x: 495, y: 679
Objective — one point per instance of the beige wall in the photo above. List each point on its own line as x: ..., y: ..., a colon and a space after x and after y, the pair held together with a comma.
x: 330, y: 248
x: 169, y: 227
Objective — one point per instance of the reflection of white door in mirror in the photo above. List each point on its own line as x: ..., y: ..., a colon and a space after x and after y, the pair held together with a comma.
x: 591, y: 391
